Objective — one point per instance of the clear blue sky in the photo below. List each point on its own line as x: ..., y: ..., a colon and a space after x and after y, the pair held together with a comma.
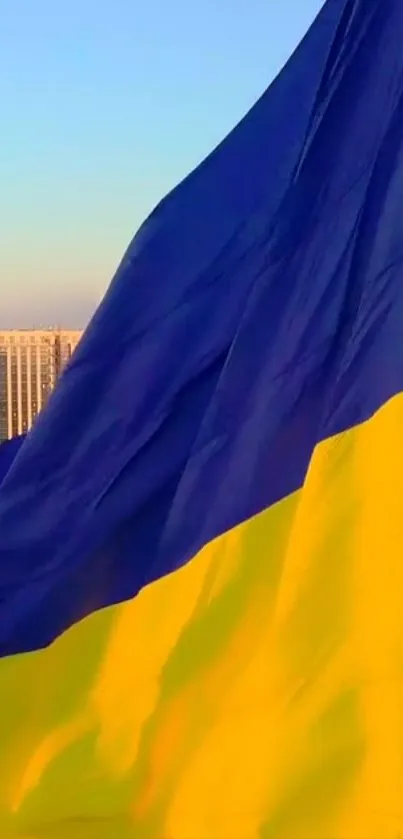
x: 105, y: 105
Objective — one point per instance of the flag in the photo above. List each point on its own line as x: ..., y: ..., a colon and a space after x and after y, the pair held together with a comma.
x: 200, y: 542
x: 8, y: 451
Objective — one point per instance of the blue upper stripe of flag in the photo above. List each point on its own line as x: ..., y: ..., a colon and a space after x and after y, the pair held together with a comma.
x: 258, y: 311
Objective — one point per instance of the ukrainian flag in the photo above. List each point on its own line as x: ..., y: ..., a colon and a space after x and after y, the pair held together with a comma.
x: 201, y: 576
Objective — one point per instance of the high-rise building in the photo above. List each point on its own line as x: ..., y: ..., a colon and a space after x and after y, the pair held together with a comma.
x: 30, y: 364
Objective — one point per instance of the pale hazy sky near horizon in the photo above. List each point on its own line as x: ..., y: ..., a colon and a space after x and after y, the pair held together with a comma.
x: 106, y: 105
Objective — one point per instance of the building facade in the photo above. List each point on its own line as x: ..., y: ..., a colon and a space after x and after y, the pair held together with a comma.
x: 30, y: 364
